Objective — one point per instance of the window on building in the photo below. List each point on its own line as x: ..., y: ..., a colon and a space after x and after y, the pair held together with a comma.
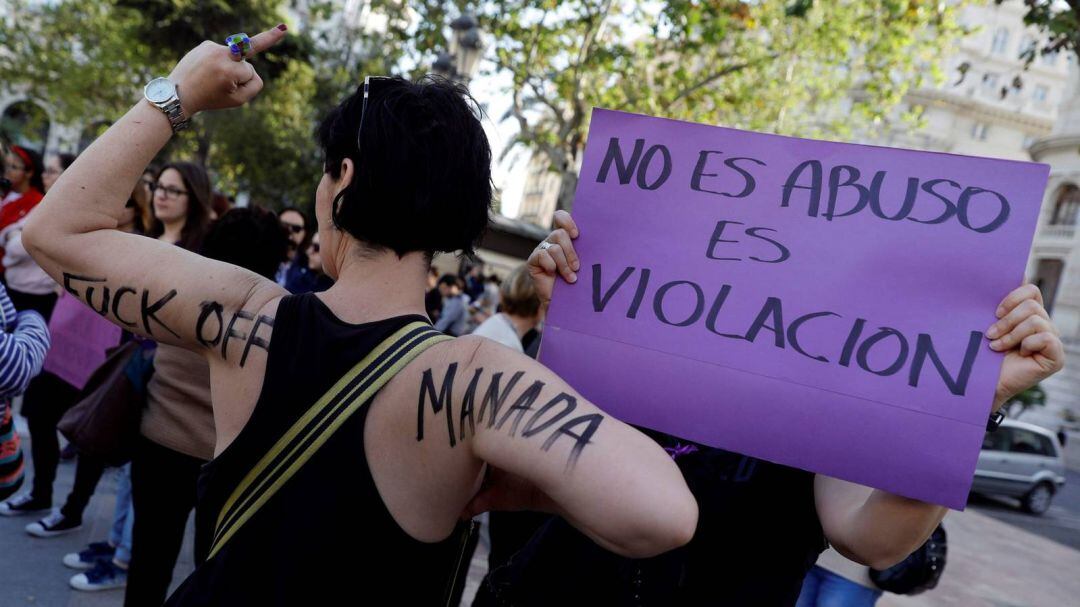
x: 1047, y: 278
x: 1041, y: 93
x: 1066, y: 206
x: 1001, y: 41
x: 1050, y: 59
x: 25, y: 123
x: 1027, y: 47
x: 990, y: 81
x: 979, y: 130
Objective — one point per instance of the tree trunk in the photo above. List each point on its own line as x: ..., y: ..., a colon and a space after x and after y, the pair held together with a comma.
x: 567, y: 189
x: 202, y: 153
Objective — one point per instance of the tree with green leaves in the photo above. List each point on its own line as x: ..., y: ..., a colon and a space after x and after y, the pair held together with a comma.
x: 1059, y: 20
x: 87, y: 60
x: 772, y: 65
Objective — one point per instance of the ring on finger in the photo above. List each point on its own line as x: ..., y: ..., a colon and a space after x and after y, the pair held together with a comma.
x: 546, y: 245
x: 239, y: 46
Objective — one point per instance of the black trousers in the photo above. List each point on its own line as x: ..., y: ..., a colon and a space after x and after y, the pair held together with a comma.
x: 47, y: 399
x: 88, y: 471
x: 163, y: 490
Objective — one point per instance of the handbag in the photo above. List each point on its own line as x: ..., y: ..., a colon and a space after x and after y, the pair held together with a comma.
x: 104, y: 424
x: 919, y: 572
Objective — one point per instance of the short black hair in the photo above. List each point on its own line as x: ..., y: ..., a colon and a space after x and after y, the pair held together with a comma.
x: 450, y: 280
x: 66, y: 160
x: 423, y: 170
x: 250, y: 237
x: 309, y: 226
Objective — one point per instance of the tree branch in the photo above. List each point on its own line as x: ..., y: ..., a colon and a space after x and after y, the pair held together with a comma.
x: 711, y: 78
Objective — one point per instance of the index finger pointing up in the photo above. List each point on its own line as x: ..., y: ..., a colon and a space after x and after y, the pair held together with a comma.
x: 267, y: 39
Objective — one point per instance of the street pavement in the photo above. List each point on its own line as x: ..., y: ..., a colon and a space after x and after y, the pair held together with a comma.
x: 1061, y: 523
x: 991, y: 563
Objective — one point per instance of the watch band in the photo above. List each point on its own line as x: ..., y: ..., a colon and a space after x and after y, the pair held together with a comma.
x: 995, y: 420
x: 175, y: 113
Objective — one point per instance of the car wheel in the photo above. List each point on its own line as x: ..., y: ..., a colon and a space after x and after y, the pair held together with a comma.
x: 1037, y: 501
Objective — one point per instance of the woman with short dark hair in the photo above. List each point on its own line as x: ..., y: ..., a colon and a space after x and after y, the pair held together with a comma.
x: 326, y: 480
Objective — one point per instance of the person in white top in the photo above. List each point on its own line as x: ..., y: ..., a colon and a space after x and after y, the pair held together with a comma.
x: 519, y: 311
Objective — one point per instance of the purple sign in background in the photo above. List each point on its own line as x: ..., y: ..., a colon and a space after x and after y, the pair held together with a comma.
x: 819, y: 305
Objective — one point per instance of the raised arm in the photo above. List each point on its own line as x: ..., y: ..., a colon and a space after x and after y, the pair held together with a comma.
x: 549, y: 449
x: 149, y: 287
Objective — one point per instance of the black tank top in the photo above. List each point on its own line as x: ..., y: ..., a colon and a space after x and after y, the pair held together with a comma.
x: 326, y: 537
x: 758, y: 534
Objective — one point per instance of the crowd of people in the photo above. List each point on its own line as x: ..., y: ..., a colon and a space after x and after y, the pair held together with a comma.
x: 288, y: 350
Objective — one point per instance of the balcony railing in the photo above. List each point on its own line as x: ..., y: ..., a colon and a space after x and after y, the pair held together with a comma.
x: 1059, y: 231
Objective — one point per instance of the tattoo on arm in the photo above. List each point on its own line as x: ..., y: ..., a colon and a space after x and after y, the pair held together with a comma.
x: 147, y: 311
x: 545, y: 419
x: 211, y: 330
x: 213, y: 313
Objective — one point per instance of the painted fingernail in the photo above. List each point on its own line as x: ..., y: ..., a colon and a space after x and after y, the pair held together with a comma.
x: 282, y: 27
x: 992, y: 332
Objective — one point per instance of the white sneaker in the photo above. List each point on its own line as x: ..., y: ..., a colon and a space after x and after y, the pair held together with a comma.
x: 103, y: 576
x: 53, y: 525
x: 22, y: 504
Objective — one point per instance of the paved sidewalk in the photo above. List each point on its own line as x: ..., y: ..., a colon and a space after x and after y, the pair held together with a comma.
x: 993, y: 564
x: 31, y: 571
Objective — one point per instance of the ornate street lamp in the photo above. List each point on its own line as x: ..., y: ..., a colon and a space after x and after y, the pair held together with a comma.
x: 466, y: 48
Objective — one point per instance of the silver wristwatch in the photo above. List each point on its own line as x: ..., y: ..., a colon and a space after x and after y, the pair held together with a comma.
x: 162, y: 94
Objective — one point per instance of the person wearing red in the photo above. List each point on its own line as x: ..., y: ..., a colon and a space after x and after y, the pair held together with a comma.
x: 23, y: 168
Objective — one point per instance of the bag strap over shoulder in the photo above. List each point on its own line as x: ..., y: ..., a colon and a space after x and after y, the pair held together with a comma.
x: 319, y: 423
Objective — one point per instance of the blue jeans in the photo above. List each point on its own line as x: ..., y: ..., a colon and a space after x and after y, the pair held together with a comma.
x: 823, y: 588
x: 123, y: 517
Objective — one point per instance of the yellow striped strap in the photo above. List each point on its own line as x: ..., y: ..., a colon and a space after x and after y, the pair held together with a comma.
x: 319, y: 423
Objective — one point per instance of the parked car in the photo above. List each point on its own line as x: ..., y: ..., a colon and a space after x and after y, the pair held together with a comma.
x: 1021, y: 460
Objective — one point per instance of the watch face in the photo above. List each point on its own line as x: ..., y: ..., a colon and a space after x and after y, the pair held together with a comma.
x: 160, y: 90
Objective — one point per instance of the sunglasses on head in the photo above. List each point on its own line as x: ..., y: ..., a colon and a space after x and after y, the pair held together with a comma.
x: 371, y: 84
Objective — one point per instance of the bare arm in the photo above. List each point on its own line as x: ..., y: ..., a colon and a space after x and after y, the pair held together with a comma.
x: 870, y: 526
x: 149, y: 287
x: 612, y: 482
x: 879, y: 529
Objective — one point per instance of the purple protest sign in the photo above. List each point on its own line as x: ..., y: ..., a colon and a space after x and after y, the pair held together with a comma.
x: 819, y: 305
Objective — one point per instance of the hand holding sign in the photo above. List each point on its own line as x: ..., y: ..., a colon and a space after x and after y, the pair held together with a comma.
x: 208, y: 78
x: 1033, y: 350
x: 555, y: 254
